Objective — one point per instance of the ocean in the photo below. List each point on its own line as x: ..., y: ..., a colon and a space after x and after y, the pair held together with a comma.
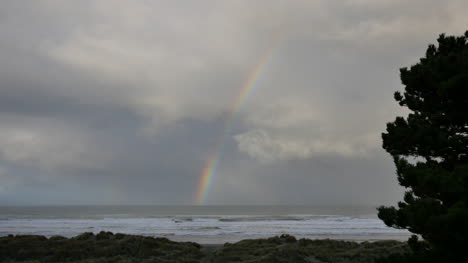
x: 201, y: 224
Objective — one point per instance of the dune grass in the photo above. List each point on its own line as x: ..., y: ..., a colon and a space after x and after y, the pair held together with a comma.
x: 107, y: 247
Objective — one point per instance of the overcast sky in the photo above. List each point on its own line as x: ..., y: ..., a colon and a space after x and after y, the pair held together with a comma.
x: 122, y: 102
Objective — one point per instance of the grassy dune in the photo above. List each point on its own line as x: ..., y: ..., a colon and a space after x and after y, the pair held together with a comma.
x: 108, y: 247
x: 288, y: 249
x: 103, y: 247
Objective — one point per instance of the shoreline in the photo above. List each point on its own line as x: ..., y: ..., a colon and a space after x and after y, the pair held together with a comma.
x: 215, y: 240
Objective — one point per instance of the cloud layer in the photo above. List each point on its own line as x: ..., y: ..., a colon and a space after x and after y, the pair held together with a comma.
x: 122, y: 102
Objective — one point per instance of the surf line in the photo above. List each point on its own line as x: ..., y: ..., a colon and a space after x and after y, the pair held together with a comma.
x: 211, y: 164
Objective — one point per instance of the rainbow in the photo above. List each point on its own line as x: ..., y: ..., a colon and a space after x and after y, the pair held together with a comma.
x: 212, y: 162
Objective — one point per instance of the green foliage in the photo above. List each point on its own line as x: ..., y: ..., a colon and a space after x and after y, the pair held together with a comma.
x: 430, y: 150
x: 106, y: 247
x: 103, y: 247
x: 287, y: 249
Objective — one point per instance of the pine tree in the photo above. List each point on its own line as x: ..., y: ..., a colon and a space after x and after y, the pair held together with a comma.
x: 430, y: 151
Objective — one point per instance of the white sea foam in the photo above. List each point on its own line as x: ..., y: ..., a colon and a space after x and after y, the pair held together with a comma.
x: 203, y: 224
x: 214, y: 228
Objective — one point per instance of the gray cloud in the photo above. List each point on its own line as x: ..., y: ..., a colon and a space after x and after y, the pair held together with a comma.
x: 125, y: 101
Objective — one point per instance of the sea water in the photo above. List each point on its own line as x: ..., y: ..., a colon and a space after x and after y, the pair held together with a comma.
x: 202, y: 224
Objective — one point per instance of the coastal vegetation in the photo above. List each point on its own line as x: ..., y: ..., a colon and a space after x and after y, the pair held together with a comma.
x: 286, y: 249
x: 107, y: 247
x: 100, y: 248
x: 430, y: 150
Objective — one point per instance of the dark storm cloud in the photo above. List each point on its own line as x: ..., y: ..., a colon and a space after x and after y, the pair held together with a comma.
x: 337, y: 180
x: 121, y: 102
